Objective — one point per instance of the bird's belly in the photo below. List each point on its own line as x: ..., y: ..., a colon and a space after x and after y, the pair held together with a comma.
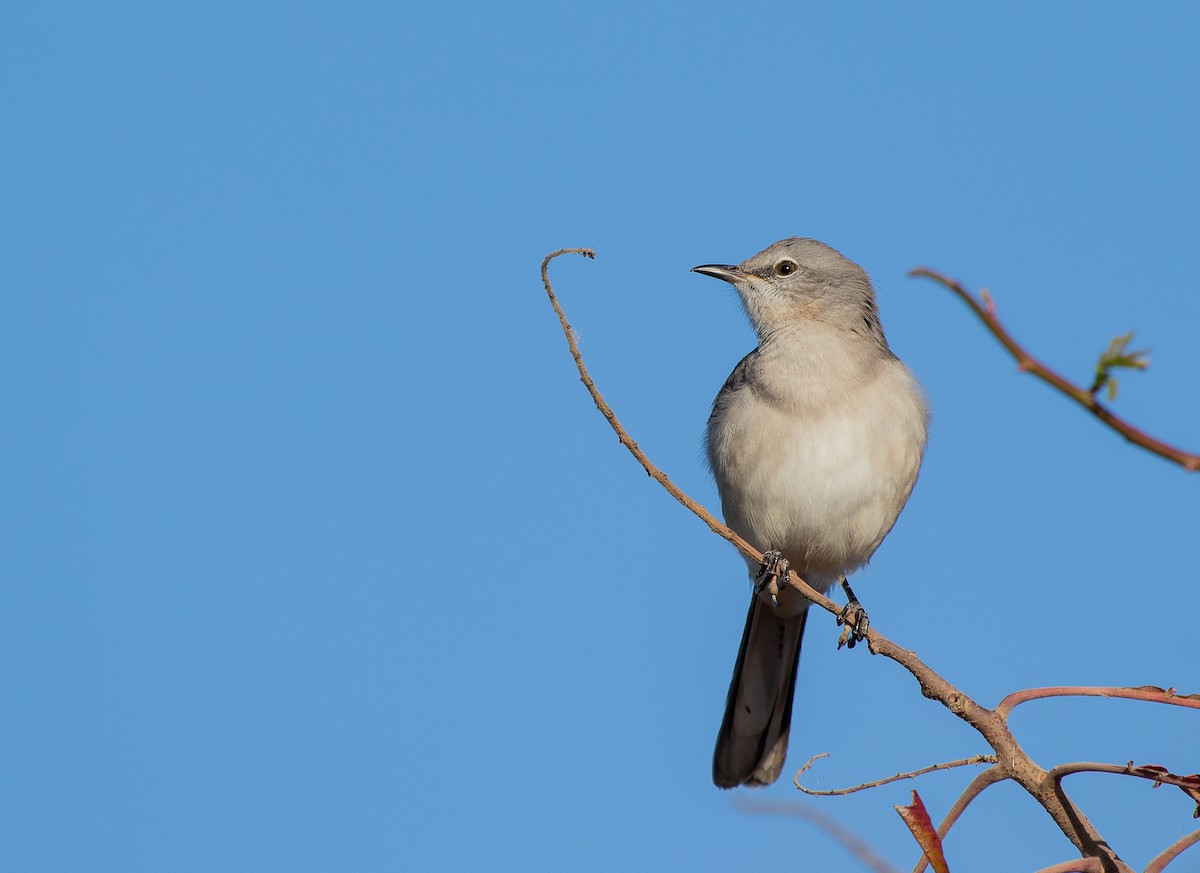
x: 824, y: 489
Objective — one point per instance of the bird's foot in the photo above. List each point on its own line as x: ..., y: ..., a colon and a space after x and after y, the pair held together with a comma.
x: 854, y: 620
x: 774, y: 568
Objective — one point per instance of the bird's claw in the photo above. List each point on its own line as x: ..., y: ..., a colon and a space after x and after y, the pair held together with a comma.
x: 774, y: 567
x: 853, y: 620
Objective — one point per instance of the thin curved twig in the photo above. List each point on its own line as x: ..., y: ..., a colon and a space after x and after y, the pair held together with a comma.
x: 985, y: 311
x: 842, y: 792
x: 654, y: 472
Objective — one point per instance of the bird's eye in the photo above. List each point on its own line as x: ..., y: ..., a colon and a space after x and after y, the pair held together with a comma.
x: 786, y: 267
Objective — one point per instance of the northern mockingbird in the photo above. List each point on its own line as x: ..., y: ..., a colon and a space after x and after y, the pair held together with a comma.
x: 815, y: 441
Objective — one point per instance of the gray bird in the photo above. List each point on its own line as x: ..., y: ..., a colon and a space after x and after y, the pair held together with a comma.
x: 815, y: 441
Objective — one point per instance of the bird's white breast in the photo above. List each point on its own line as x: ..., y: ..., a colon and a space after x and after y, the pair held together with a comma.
x: 817, y: 452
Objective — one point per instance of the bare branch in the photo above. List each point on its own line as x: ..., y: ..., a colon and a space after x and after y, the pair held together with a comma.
x: 1153, y: 773
x: 1148, y: 693
x: 1190, y: 785
x: 986, y: 312
x: 841, y: 792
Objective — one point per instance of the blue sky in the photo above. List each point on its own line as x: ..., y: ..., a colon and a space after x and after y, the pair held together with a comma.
x: 316, y: 555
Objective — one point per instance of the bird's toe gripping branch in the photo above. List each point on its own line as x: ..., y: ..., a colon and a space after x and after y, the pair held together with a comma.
x: 854, y: 620
x: 775, y: 567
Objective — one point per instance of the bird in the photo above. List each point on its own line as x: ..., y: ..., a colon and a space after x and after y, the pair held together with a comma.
x: 815, y: 442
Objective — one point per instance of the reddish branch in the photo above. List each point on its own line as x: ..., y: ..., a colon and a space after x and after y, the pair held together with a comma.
x: 986, y: 313
x: 1190, y: 785
x: 1148, y: 693
x: 1014, y: 763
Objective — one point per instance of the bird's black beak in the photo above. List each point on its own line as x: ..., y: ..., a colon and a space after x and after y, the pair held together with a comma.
x: 721, y: 271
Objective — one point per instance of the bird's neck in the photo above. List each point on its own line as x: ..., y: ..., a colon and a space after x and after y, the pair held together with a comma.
x: 810, y: 362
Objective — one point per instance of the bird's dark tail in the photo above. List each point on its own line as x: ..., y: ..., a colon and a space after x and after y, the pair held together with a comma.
x: 752, y: 744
